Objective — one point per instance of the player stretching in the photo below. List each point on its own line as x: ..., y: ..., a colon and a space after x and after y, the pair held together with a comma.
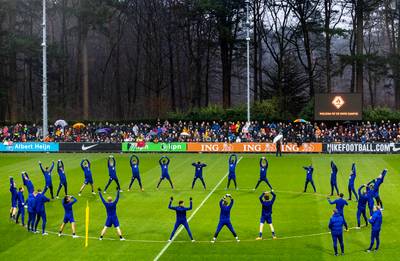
x: 225, y: 217
x: 340, y: 204
x: 180, y: 217
x: 85, y: 165
x: 164, y: 163
x: 112, y: 219
x: 336, y: 226
x: 31, y: 211
x: 233, y: 159
x: 63, y: 178
x: 377, y: 183
x: 266, y: 213
x: 14, y: 198
x: 361, y: 206
x: 21, y: 206
x: 112, y: 173
x: 376, y: 224
x: 41, y: 199
x: 27, y: 182
x: 263, y: 173
x: 134, y: 161
x: 334, y: 178
x: 67, y: 203
x: 309, y: 177
x: 47, y: 177
x: 198, y: 174
x: 352, y: 178
x: 370, y: 196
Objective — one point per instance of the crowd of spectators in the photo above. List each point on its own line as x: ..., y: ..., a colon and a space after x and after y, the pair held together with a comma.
x: 214, y: 131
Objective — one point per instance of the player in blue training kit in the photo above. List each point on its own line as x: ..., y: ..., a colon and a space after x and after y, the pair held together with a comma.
x: 164, y: 163
x: 352, y: 178
x: 370, y: 197
x: 40, y: 210
x: 112, y: 173
x: 112, y: 219
x: 233, y: 159
x: 31, y: 202
x: 180, y: 217
x: 340, y: 204
x: 225, y: 217
x: 27, y: 182
x: 63, y: 178
x: 47, y: 177
x: 14, y: 198
x: 334, y: 178
x: 377, y: 183
x: 134, y: 162
x: 361, y: 206
x: 336, y: 226
x: 263, y: 173
x: 198, y: 174
x: 85, y: 165
x: 376, y: 224
x: 309, y: 178
x: 21, y: 206
x: 266, y: 213
x: 67, y: 203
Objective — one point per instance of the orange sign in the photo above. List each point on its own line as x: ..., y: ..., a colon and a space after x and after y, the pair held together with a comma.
x: 253, y: 147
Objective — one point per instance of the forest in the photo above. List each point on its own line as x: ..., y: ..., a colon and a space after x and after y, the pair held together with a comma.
x: 142, y: 59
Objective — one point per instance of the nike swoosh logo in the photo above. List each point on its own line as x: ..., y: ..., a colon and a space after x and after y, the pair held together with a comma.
x: 396, y: 149
x: 88, y: 147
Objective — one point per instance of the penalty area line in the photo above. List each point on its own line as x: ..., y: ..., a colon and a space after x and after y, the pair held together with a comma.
x: 192, y: 215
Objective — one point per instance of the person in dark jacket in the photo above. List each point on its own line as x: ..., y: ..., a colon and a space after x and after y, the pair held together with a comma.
x: 376, y: 224
x: 336, y: 224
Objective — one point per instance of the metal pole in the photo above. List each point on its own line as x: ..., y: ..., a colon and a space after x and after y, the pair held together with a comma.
x: 44, y: 49
x: 248, y: 60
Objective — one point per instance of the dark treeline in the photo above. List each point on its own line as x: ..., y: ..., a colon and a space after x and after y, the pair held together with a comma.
x: 129, y: 59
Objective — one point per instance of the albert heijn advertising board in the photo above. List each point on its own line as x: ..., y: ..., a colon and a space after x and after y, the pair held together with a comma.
x: 29, y: 147
x: 250, y: 147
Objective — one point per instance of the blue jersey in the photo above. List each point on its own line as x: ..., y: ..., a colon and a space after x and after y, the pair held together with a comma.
x: 340, y: 204
x: 68, y: 206
x: 40, y: 201
x: 362, y: 199
x: 47, y: 174
x: 378, y: 182
x: 309, y: 172
x: 27, y: 182
x: 112, y: 172
x: 198, y: 169
x: 352, y: 175
x: 376, y: 220
x: 232, y: 165
x: 164, y: 166
x: 370, y: 196
x: 86, y: 169
x: 21, y: 199
x: 31, y: 203
x: 225, y: 214
x: 61, y: 172
x: 134, y: 165
x: 263, y: 169
x: 14, y: 192
x: 180, y: 211
x: 336, y: 224
x: 111, y: 207
x: 267, y: 205
x: 334, y: 172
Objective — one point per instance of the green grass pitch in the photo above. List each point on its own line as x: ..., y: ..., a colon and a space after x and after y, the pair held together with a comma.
x: 300, y: 219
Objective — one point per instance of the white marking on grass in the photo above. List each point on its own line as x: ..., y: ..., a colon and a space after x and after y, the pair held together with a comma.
x: 194, y: 213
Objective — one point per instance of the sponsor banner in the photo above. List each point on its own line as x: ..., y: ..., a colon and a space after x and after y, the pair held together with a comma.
x: 155, y: 147
x: 89, y: 147
x: 247, y: 147
x: 30, y: 147
x: 361, y: 148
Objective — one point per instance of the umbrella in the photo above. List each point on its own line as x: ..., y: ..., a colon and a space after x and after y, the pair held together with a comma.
x: 61, y: 123
x: 78, y: 125
x: 102, y: 131
x: 300, y: 120
x: 185, y: 134
x: 277, y: 138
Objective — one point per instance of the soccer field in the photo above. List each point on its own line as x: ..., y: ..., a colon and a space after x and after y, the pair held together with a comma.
x: 300, y: 219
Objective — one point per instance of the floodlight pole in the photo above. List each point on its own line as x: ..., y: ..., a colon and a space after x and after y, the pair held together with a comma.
x: 248, y: 59
x: 44, y: 72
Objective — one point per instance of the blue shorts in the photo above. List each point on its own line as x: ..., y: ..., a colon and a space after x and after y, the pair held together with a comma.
x: 112, y: 221
x: 267, y: 219
x: 232, y: 176
x: 13, y: 203
x: 88, y: 180
x: 165, y: 176
x: 69, y: 218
